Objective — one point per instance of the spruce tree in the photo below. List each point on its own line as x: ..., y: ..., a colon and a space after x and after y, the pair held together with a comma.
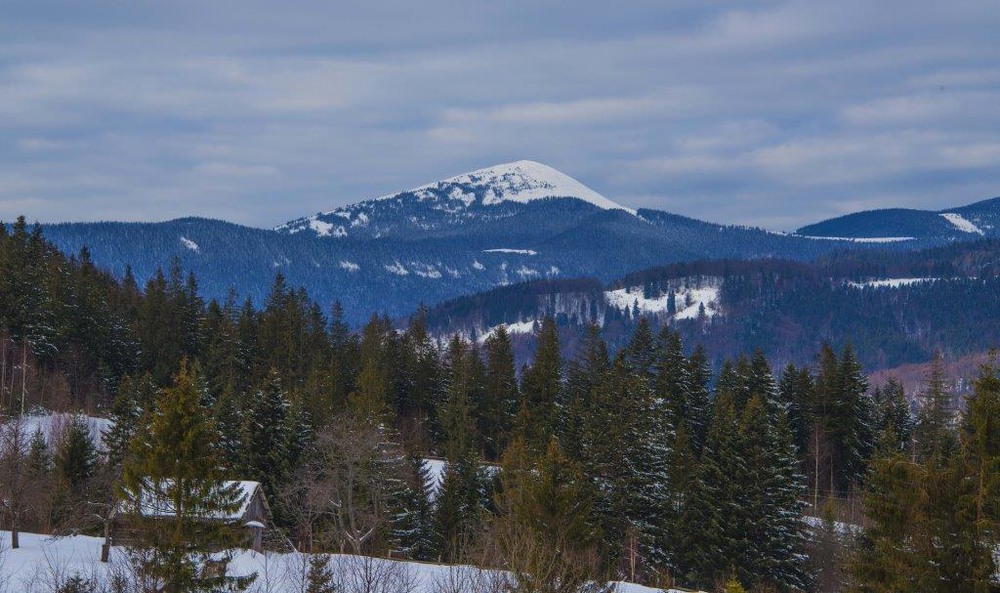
x: 540, y: 388
x: 135, y: 394
x: 172, y: 492
x: 76, y: 456
x: 265, y: 435
x: 933, y: 433
x: 699, y: 404
x: 413, y: 520
x: 981, y: 453
x: 319, y: 578
x: 500, y: 393
x: 583, y: 374
x: 545, y: 530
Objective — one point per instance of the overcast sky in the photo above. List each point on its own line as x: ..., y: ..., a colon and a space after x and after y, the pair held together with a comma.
x: 766, y: 113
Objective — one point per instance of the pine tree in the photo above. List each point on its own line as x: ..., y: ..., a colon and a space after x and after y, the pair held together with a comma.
x: 459, y: 506
x: 319, y: 579
x: 413, y: 522
x: 772, y: 551
x: 795, y: 392
x: 135, y: 394
x: 265, y: 436
x: 699, y: 405
x: 540, y: 388
x: 709, y: 528
x: 673, y: 381
x: 981, y: 452
x: 76, y: 456
x: 500, y: 393
x: 457, y: 413
x: 584, y: 373
x: 545, y: 530
x: 934, y: 434
x: 174, y: 465
x: 893, y: 413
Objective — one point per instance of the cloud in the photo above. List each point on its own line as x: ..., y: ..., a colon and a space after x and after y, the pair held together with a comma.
x: 776, y: 112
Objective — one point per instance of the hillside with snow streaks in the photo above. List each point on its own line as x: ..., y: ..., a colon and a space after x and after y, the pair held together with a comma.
x: 470, y: 233
x: 462, y: 199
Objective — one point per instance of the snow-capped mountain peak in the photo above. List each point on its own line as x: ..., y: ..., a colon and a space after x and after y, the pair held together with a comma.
x: 522, y: 181
x: 452, y: 201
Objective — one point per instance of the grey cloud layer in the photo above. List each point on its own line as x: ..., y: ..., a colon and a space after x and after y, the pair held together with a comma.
x: 771, y: 113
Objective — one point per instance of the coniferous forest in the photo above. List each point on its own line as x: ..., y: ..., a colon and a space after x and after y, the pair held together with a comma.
x: 644, y: 463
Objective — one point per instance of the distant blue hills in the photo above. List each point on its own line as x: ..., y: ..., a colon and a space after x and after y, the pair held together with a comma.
x: 498, y: 226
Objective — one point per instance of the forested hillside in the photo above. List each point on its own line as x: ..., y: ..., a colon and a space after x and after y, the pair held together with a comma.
x: 642, y: 464
x: 894, y: 308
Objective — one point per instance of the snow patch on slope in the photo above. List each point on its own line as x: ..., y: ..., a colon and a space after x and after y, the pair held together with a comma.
x: 322, y: 229
x: 190, y: 244
x: 687, y: 300
x: 961, y: 223
x: 514, y: 251
x: 518, y: 327
x: 859, y: 239
x: 890, y: 282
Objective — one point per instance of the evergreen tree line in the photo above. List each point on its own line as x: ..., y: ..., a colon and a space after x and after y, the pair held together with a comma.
x: 639, y: 464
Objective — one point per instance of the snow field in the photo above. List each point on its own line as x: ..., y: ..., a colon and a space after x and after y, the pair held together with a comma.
x: 43, y: 563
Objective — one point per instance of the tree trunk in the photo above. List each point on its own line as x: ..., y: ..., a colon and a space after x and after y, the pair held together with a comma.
x: 106, y: 546
x: 15, y: 540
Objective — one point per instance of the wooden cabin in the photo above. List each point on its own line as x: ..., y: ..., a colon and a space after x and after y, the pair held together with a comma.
x: 249, y: 521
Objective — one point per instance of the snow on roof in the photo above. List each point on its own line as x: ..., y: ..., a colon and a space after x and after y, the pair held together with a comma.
x: 154, y: 506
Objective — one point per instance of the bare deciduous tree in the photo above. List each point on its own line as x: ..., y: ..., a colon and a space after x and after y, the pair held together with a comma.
x: 13, y: 475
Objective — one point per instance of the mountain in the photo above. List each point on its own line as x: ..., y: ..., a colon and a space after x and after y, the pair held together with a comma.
x: 894, y: 308
x: 458, y: 205
x: 981, y: 219
x: 497, y: 226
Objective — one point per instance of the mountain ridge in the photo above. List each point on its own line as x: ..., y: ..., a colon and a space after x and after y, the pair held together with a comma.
x: 491, y: 227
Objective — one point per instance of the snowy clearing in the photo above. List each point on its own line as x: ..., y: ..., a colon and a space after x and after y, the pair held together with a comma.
x: 322, y: 229
x: 890, y: 282
x: 860, y: 239
x: 688, y: 301
x: 53, y: 424
x: 518, y: 327
x: 961, y: 223
x: 190, y: 244
x: 515, y: 251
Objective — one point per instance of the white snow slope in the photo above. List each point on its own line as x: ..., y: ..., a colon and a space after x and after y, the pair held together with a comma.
x: 519, y: 181
x: 45, y: 563
x: 961, y: 223
x: 523, y: 181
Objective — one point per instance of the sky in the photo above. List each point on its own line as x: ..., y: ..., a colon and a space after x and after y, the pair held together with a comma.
x: 774, y: 113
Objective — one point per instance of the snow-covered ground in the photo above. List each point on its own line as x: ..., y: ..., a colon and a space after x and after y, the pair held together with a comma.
x: 890, y: 282
x: 961, y: 223
x: 513, y: 251
x: 688, y: 300
x: 44, y: 563
x: 520, y: 181
x: 518, y: 327
x: 859, y: 239
x: 52, y: 425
